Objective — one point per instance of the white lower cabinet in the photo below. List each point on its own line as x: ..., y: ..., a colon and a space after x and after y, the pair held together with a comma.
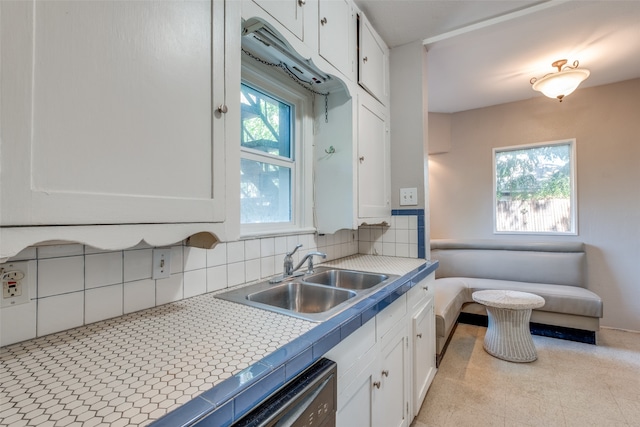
x: 384, y: 363
x: 423, y: 353
x: 422, y: 341
x: 356, y: 403
x: 391, y: 405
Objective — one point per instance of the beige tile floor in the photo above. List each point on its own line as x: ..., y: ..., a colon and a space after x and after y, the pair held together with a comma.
x: 571, y: 384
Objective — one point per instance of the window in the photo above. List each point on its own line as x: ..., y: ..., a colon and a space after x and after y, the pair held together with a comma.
x: 275, y: 166
x: 267, y: 163
x: 535, y: 188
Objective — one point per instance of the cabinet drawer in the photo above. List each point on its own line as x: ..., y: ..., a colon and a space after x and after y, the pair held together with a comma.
x: 420, y: 293
x: 388, y: 317
x: 351, y: 350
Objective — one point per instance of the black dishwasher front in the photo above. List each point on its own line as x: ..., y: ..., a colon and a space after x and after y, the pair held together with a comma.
x: 307, y: 400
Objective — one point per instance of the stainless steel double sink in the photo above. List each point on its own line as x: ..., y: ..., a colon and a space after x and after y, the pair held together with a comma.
x: 316, y: 297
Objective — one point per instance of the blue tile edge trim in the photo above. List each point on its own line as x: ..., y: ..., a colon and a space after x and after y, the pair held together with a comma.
x: 189, y: 413
x: 234, y: 397
x: 407, y: 212
x: 422, y: 247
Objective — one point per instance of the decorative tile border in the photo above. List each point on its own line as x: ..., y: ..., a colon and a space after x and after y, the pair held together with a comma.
x: 422, y: 252
x: 404, y: 237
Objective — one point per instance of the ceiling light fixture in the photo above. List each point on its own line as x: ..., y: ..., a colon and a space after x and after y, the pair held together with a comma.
x: 560, y: 84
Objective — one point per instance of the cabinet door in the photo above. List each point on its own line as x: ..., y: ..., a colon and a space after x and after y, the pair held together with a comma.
x: 107, y: 112
x: 391, y: 400
x: 372, y: 60
x: 424, y: 352
x: 335, y: 34
x: 373, y: 161
x: 287, y: 12
x: 356, y: 403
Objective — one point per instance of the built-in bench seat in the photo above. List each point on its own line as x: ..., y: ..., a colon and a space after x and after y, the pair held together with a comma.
x: 555, y: 271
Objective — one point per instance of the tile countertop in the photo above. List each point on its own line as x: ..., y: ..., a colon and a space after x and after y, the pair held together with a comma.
x: 174, y: 364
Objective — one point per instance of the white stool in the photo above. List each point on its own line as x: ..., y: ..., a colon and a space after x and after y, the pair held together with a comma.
x: 508, y: 335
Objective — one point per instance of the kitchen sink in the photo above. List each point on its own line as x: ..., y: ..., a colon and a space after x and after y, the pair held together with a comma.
x: 316, y: 297
x: 302, y: 298
x: 346, y: 279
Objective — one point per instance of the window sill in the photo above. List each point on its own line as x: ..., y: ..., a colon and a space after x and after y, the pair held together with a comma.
x: 278, y: 232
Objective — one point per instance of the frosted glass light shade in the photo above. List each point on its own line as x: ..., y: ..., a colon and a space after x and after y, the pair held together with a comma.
x: 560, y: 84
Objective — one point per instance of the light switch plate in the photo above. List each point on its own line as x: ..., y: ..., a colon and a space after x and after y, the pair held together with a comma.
x: 408, y: 197
x: 161, y: 263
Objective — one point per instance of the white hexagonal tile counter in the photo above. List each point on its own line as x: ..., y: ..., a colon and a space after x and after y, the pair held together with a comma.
x: 134, y: 369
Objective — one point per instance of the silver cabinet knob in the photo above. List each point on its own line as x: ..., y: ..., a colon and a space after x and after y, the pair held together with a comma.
x: 323, y: 21
x: 361, y: 159
x: 365, y: 59
x: 301, y: 2
x: 419, y: 335
x: 385, y: 373
x: 376, y: 384
x: 222, y: 109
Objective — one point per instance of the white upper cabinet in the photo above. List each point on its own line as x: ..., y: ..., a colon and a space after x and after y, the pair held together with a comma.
x: 109, y: 113
x: 373, y: 61
x: 289, y: 13
x: 335, y: 167
x: 336, y: 34
x: 352, y: 170
x: 374, y: 195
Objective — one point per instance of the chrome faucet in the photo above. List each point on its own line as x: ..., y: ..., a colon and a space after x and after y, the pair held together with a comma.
x: 288, y: 262
x: 309, y: 256
x: 289, y: 269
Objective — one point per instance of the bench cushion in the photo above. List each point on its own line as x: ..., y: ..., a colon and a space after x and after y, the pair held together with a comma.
x: 558, y: 298
x: 450, y: 295
x: 559, y: 268
x: 453, y: 292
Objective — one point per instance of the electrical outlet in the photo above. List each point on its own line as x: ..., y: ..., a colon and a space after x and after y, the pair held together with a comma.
x: 161, y: 263
x: 12, y: 283
x: 15, y: 286
x: 408, y: 197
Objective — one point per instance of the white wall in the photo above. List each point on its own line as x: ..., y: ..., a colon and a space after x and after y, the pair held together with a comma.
x: 408, y: 122
x: 605, y: 121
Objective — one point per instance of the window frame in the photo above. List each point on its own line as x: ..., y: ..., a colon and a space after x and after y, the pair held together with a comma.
x: 301, y: 186
x: 573, y: 212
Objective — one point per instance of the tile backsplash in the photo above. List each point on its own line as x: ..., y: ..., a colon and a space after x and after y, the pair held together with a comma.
x: 404, y: 237
x: 74, y: 285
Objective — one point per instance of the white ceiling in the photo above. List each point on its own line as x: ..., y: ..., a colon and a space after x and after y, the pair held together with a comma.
x: 483, y: 53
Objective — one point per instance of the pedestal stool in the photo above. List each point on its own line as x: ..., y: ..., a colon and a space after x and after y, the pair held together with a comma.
x: 508, y: 336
